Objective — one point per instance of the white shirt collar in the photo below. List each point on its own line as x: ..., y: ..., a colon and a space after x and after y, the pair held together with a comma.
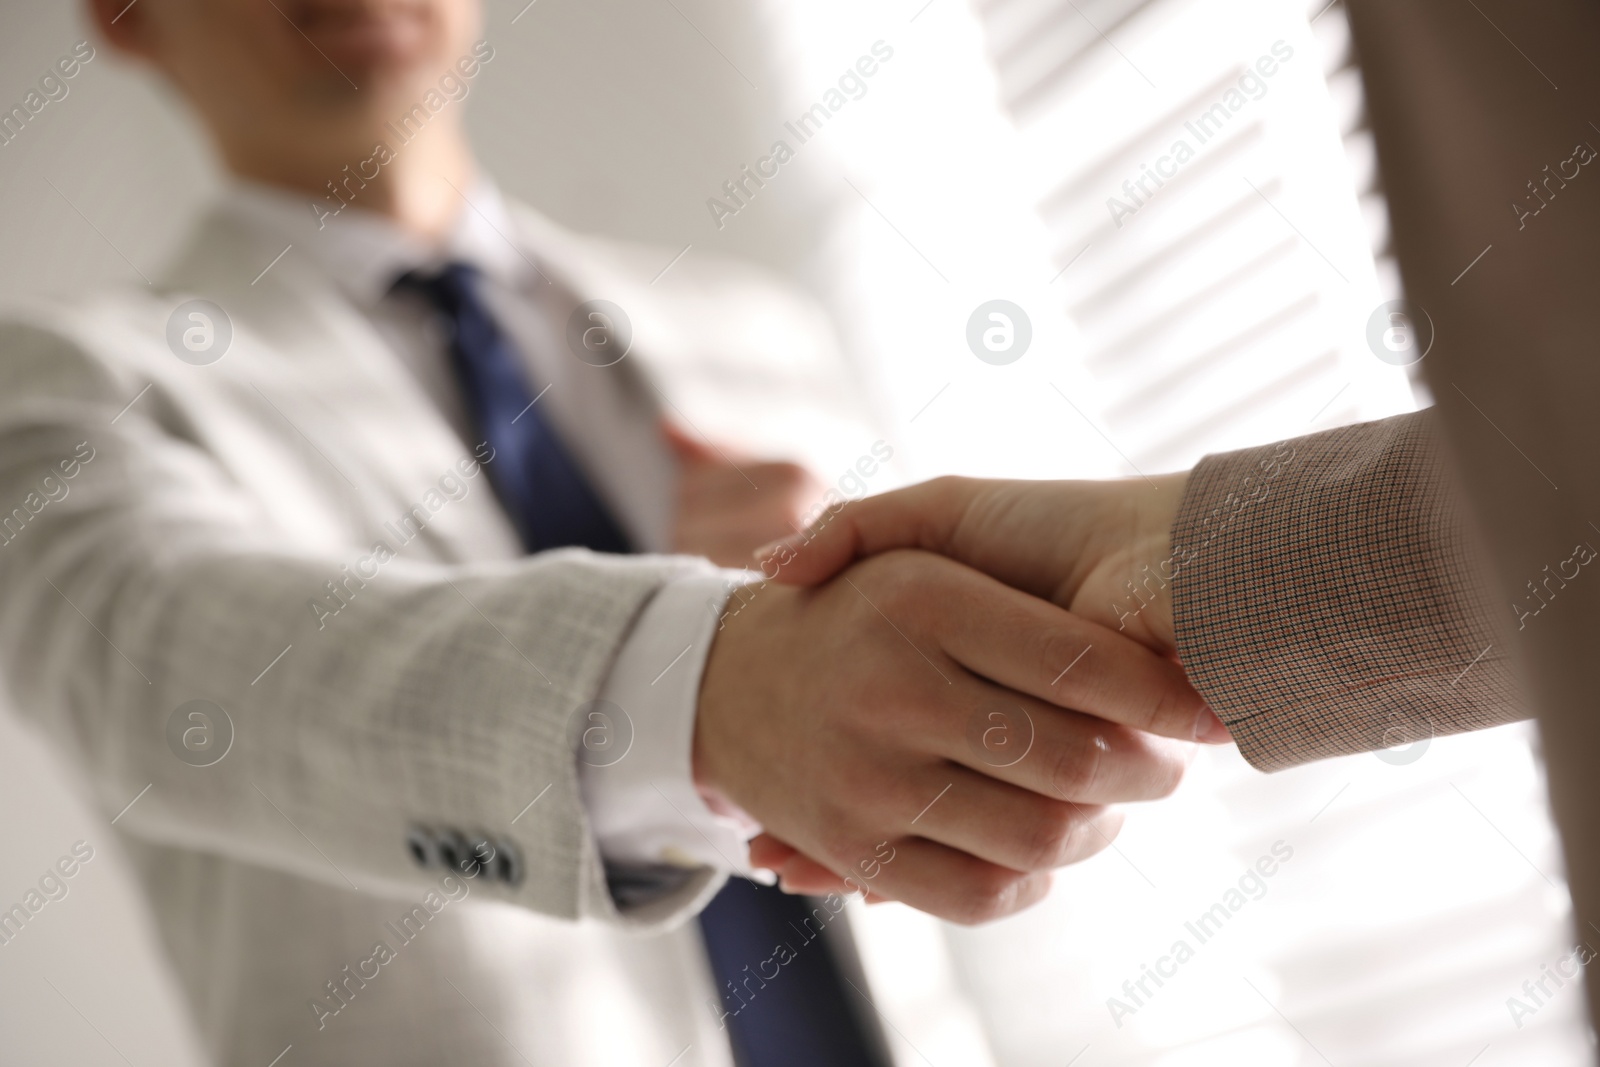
x: 364, y: 252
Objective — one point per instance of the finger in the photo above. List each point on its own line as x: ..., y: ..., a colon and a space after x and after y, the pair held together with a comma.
x: 954, y: 885
x: 1012, y: 827
x: 799, y: 873
x: 777, y: 485
x: 688, y: 448
x: 770, y: 853
x: 921, y: 516
x: 802, y: 874
x: 1034, y: 647
x: 1062, y: 754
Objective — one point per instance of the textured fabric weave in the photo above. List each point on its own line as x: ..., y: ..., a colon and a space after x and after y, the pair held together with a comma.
x: 1329, y: 599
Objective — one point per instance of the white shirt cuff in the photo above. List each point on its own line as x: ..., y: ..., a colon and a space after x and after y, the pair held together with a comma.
x: 634, y: 765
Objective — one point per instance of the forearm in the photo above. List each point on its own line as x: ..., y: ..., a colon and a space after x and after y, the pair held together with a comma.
x: 437, y: 698
x: 1329, y: 597
x: 367, y: 695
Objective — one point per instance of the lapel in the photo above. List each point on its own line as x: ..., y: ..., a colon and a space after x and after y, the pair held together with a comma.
x: 324, y: 369
x: 579, y: 269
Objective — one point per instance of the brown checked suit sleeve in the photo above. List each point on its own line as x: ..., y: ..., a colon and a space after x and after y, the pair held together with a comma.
x: 1328, y: 598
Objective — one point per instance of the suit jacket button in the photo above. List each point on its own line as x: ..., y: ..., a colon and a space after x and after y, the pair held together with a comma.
x: 423, y: 846
x: 483, y: 858
x: 454, y: 852
x: 508, y: 863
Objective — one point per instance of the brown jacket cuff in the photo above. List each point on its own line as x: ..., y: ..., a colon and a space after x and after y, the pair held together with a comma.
x: 1330, y: 599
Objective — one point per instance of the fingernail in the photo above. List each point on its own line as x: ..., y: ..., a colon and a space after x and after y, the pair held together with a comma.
x: 793, y: 541
x: 1210, y: 729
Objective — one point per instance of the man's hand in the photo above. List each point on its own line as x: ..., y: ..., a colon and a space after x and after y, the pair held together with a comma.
x: 856, y: 721
x: 727, y: 505
x: 1102, y: 549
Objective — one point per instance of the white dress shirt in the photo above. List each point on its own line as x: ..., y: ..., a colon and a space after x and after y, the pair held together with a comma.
x: 643, y: 808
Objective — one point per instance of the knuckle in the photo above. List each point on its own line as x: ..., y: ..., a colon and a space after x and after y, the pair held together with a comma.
x: 837, y: 840
x: 1146, y: 715
x: 892, y: 713
x: 899, y: 577
x: 1052, y: 836
x: 993, y: 895
x: 1076, y: 768
x: 1171, y: 712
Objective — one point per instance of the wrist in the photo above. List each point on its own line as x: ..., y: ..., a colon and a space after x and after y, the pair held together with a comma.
x: 1160, y: 512
x: 727, y: 700
x: 1130, y: 588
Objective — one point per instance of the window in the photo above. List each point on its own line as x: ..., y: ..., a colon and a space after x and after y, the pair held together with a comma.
x: 1182, y: 300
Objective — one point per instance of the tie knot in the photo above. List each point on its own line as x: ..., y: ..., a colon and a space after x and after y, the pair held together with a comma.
x: 449, y: 289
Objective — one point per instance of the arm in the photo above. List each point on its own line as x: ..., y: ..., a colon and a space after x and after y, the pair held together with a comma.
x: 444, y: 695
x: 1321, y: 594
x: 1332, y: 599
x: 440, y: 696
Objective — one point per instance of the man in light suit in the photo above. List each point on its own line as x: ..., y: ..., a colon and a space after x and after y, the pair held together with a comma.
x: 336, y: 556
x: 1328, y: 595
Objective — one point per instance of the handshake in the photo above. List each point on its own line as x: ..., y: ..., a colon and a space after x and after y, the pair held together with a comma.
x: 965, y: 672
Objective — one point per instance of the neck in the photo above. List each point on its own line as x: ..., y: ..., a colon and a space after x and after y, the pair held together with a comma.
x: 413, y: 183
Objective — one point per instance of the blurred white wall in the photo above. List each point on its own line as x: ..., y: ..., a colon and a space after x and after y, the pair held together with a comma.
x: 609, y: 115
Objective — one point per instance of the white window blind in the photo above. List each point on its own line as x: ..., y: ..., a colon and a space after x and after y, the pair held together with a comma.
x: 1228, y: 304
x: 1422, y: 887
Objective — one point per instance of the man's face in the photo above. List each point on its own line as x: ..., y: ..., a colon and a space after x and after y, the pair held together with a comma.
x: 325, y: 69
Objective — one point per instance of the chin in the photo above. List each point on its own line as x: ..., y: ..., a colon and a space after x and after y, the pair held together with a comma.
x: 387, y: 45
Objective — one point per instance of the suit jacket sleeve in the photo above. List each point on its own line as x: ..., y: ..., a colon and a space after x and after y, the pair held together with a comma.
x: 440, y: 698
x: 1329, y: 597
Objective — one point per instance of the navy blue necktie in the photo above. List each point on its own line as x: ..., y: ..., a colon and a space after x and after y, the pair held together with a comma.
x: 787, y: 1007
x: 780, y: 965
x: 544, y: 491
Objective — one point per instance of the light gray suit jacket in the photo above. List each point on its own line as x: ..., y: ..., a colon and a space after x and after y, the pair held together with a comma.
x: 167, y: 526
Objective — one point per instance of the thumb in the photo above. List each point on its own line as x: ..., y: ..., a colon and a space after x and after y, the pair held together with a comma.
x: 921, y: 516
